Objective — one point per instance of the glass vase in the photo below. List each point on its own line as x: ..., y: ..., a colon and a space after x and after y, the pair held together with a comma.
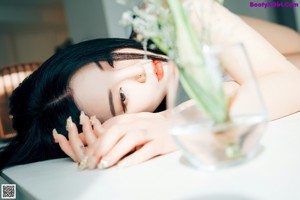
x: 216, y: 131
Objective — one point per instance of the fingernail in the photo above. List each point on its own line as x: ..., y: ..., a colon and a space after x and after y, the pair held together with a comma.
x: 122, y: 164
x: 92, y: 119
x: 83, y: 163
x: 69, y: 123
x: 103, y: 164
x: 82, y: 117
x: 91, y: 163
x: 54, y: 133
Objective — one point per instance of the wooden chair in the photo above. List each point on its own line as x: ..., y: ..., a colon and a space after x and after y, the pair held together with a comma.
x: 10, y: 77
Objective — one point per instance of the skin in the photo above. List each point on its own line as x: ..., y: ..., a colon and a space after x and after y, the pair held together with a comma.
x: 134, y: 79
x: 146, y: 134
x: 279, y: 36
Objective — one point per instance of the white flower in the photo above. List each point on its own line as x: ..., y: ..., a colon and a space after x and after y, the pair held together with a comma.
x: 152, y: 46
x: 139, y: 37
x: 171, y: 31
x: 127, y: 18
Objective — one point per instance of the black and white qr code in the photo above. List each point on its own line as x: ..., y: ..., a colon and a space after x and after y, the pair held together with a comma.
x: 8, y: 191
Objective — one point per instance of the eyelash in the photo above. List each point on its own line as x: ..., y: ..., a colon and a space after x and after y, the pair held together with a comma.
x: 123, y: 100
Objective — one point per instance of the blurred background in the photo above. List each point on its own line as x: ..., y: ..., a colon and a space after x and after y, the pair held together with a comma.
x: 32, y: 30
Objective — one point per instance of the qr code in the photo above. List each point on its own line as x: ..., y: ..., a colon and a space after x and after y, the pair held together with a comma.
x: 8, y: 191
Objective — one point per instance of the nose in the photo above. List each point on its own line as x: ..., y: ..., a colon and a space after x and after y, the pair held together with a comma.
x: 135, y: 73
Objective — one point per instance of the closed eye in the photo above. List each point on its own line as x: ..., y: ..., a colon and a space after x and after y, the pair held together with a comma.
x: 123, y: 100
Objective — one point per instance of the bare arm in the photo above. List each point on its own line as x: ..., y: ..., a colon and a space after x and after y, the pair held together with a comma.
x: 279, y: 80
x: 284, y: 39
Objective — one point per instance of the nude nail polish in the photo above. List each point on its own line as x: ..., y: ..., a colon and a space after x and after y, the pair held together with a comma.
x: 92, y: 119
x: 122, y: 164
x: 54, y: 133
x: 91, y: 163
x: 69, y: 123
x: 81, y: 117
x: 103, y: 164
x: 83, y: 164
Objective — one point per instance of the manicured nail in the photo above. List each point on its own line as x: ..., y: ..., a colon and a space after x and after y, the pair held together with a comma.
x: 91, y: 163
x: 103, y: 164
x: 93, y: 122
x: 82, y: 118
x: 69, y: 123
x: 92, y: 119
x: 122, y: 164
x: 54, y: 133
x: 83, y: 163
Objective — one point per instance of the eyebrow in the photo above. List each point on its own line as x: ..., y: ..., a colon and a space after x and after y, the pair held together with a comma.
x: 111, y: 103
x: 134, y: 56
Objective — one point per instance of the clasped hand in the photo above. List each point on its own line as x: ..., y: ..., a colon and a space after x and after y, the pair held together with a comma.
x: 124, y: 140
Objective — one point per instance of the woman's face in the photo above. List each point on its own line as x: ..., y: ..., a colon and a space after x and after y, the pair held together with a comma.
x: 130, y: 86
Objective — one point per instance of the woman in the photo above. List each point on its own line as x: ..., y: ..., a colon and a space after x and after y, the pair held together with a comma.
x: 52, y: 93
x: 68, y: 82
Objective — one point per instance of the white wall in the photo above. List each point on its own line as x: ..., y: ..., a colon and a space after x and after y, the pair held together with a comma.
x: 113, y: 12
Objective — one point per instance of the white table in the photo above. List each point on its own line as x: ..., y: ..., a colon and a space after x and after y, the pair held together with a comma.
x: 274, y: 174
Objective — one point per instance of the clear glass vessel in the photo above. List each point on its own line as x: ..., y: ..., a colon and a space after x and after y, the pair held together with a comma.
x: 205, y: 142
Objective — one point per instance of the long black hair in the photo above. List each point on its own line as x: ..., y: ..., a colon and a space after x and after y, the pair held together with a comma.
x: 43, y: 101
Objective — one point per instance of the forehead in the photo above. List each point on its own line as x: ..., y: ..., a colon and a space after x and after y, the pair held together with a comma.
x: 90, y: 86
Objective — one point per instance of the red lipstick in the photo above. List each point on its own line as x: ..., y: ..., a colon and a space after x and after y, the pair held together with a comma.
x: 158, y: 69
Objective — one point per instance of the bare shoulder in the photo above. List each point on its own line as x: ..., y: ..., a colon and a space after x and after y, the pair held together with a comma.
x: 284, y: 39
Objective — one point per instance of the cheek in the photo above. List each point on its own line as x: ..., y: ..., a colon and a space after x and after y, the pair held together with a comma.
x: 143, y: 97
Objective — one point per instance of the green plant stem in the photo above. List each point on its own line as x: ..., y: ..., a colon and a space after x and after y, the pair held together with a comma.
x: 194, y: 75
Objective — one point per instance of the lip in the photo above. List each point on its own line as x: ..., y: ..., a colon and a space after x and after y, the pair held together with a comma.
x: 158, y: 69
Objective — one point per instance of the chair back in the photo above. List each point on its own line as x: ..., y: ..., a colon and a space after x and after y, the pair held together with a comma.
x: 10, y: 78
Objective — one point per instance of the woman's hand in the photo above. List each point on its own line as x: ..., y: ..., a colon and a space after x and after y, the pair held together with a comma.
x: 77, y: 144
x: 144, y: 135
x: 130, y: 139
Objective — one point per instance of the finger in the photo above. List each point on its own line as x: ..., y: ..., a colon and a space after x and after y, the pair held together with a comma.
x: 109, y: 139
x: 92, y: 160
x: 97, y: 126
x: 147, y: 152
x: 64, y: 145
x: 74, y: 139
x: 87, y: 129
x: 123, y: 147
x: 103, y: 145
x: 82, y: 138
